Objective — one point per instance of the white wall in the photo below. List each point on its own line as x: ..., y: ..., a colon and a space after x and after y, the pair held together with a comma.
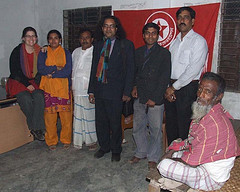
x: 15, y: 15
x: 54, y: 9
x: 45, y: 15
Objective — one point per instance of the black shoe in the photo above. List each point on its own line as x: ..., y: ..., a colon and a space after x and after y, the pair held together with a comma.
x: 116, y: 157
x: 100, y: 153
x: 38, y: 135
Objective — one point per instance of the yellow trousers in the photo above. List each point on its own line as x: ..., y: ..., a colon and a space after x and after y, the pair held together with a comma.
x: 51, y: 136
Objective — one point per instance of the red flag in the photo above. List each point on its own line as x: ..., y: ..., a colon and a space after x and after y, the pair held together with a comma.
x: 205, y: 24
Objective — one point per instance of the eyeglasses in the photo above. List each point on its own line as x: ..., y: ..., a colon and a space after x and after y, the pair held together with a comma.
x: 109, y: 26
x: 30, y: 36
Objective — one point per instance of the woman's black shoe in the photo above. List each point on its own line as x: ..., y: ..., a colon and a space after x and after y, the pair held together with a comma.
x: 38, y: 135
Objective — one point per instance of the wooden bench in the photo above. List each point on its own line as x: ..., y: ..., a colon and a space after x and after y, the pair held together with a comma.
x: 14, y: 129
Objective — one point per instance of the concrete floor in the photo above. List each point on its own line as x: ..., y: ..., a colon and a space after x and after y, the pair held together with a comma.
x: 33, y: 168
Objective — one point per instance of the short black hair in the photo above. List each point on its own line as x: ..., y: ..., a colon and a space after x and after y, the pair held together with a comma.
x: 85, y: 30
x: 189, y: 9
x: 26, y: 29
x: 218, y: 79
x: 150, y: 25
x: 54, y: 31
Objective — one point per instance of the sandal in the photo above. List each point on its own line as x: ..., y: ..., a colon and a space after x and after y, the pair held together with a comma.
x: 93, y: 147
x: 52, y: 147
x: 66, y: 146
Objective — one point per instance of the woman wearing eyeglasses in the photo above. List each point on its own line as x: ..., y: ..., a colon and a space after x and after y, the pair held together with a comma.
x: 55, y: 66
x: 24, y: 79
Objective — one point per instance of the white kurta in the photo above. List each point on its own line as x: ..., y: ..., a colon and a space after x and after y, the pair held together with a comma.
x: 84, y: 130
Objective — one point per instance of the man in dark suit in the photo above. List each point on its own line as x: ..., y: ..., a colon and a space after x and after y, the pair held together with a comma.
x: 111, y: 82
x: 152, y: 75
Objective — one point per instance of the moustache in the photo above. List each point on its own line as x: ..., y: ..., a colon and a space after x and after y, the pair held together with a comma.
x: 201, y: 101
x: 182, y: 24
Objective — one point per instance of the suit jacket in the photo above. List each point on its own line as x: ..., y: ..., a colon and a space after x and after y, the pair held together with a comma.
x: 120, y: 75
x: 152, y: 73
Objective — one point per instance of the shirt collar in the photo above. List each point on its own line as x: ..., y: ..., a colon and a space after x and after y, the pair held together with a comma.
x: 112, y: 39
x: 189, y: 34
x: 151, y: 47
x: 87, y: 48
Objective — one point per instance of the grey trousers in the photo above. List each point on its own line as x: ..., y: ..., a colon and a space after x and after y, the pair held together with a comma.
x: 147, y: 131
x: 32, y: 105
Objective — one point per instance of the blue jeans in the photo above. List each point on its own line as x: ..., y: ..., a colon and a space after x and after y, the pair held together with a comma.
x: 147, y: 131
x: 32, y: 105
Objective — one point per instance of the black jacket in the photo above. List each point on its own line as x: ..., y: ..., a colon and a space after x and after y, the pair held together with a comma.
x: 152, y: 74
x: 120, y: 74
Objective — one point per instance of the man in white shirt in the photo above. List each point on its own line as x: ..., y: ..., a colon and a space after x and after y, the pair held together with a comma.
x: 188, y: 54
x: 84, y: 130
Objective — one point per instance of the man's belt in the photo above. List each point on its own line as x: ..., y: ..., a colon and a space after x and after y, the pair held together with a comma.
x: 174, y: 80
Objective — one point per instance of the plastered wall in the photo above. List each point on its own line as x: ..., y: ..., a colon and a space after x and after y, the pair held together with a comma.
x: 45, y: 15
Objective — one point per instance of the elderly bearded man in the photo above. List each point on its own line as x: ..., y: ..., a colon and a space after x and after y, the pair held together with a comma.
x: 203, y: 160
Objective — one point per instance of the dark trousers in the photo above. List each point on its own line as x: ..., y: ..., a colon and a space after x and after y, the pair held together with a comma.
x: 32, y: 105
x: 179, y: 112
x: 108, y: 124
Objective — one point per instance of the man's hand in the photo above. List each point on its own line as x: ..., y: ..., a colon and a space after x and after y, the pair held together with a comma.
x: 30, y: 88
x: 150, y: 103
x: 126, y: 98
x: 170, y: 95
x: 168, y: 155
x: 91, y: 98
x: 134, y: 92
x: 44, y: 49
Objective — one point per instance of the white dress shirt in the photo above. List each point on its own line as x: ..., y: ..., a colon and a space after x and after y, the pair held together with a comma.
x: 82, y: 62
x: 188, y: 58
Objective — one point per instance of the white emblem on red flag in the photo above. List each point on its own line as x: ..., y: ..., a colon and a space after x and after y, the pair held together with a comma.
x: 167, y: 26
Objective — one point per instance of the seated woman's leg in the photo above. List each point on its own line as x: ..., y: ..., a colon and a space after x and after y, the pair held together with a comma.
x: 38, y: 110
x: 24, y: 99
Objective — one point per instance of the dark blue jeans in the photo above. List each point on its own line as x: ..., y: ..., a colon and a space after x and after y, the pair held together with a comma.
x: 32, y: 105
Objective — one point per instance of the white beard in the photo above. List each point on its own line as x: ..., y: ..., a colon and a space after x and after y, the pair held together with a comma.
x: 199, y: 111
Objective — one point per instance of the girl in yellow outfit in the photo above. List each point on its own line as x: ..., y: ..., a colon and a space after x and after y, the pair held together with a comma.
x: 55, y: 66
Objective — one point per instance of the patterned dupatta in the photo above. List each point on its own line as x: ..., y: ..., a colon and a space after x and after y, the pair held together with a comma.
x: 25, y: 66
x: 56, y: 87
x: 103, y: 62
